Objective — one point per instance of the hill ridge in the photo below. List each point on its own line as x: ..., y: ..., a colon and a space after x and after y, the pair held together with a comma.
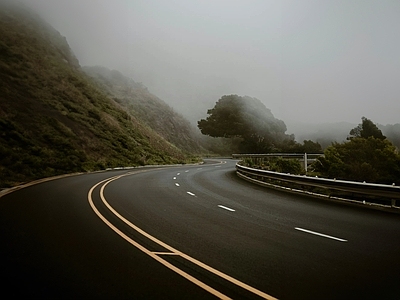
x: 53, y: 117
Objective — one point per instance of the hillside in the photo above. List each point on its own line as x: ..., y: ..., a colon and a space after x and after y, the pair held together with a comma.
x: 53, y: 118
x: 149, y: 109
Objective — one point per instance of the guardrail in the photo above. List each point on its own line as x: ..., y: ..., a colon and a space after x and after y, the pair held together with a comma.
x: 289, y: 155
x: 360, y: 192
x: 305, y: 158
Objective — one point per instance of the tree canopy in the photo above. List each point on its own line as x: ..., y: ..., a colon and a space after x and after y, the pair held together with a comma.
x: 246, y: 118
x: 366, y: 129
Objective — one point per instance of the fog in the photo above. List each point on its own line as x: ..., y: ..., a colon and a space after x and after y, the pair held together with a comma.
x: 308, y: 61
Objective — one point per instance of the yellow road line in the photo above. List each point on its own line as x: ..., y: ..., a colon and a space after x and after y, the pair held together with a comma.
x: 151, y: 254
x: 172, y: 250
x: 165, y: 253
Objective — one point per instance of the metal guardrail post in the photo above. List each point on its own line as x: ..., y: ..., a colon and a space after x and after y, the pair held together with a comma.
x: 305, y: 162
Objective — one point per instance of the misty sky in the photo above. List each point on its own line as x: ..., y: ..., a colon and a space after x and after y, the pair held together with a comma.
x: 308, y: 61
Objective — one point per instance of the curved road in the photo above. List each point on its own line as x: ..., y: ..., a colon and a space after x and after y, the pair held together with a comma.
x: 188, y: 232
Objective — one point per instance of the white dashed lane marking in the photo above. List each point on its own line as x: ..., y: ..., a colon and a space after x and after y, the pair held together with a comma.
x: 320, y: 234
x: 227, y: 208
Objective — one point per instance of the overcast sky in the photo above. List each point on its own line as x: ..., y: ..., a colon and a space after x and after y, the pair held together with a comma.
x: 308, y: 61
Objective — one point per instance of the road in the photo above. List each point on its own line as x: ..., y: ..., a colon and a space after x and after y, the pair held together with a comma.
x: 191, y: 232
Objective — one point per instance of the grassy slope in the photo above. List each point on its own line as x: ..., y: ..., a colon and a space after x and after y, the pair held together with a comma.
x: 53, y: 119
x: 151, y: 110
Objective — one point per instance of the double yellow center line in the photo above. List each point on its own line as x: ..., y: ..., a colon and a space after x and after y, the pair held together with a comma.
x: 171, y: 250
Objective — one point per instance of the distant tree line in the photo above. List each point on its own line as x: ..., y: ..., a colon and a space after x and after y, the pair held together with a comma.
x: 366, y: 155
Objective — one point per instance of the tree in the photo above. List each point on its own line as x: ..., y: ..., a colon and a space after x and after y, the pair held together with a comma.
x: 366, y: 156
x: 225, y: 119
x: 246, y: 118
x: 367, y: 129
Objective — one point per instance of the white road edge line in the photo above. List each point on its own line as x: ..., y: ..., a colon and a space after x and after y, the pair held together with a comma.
x: 191, y: 194
x: 321, y: 234
x: 227, y: 208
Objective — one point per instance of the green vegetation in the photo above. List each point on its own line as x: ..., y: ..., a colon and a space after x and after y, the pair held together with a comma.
x: 57, y: 118
x: 276, y: 164
x: 250, y: 127
x: 366, y: 156
x: 147, y: 108
x: 54, y: 119
x: 365, y: 130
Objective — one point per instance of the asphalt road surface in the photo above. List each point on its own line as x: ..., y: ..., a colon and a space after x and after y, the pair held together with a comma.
x: 191, y: 232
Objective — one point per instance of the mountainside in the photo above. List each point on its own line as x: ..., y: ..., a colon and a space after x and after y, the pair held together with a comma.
x: 151, y: 110
x: 53, y: 118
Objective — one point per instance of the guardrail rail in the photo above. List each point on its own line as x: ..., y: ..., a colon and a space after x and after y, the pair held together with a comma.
x: 379, y: 195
